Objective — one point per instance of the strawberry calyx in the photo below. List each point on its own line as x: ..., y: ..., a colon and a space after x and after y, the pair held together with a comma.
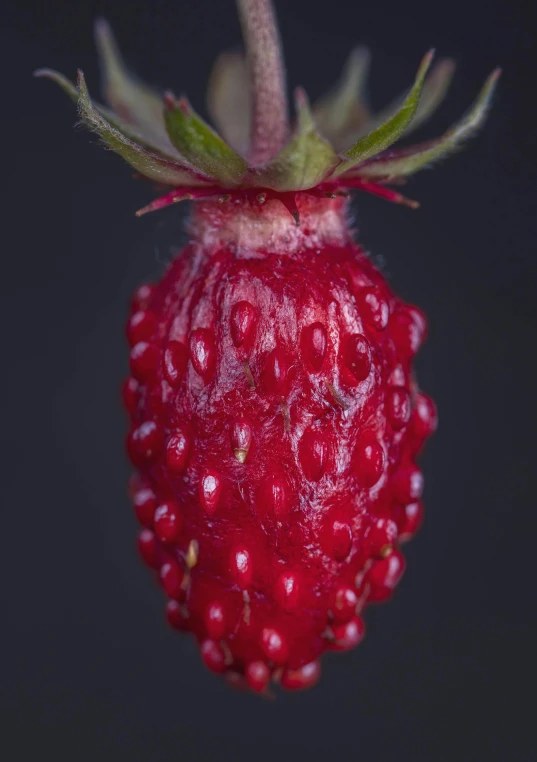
x: 334, y: 146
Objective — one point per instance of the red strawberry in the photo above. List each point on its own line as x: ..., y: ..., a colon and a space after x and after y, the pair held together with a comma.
x: 275, y: 417
x: 286, y: 443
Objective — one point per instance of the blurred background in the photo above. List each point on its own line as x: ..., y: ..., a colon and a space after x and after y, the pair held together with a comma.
x: 91, y: 672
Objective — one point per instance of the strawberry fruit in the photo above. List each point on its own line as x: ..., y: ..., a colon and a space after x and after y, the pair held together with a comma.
x: 275, y: 416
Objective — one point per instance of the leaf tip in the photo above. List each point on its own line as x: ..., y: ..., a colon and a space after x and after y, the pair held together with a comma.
x: 84, y: 100
x: 488, y: 89
x: 443, y: 72
x: 301, y: 98
x: 102, y: 31
x: 448, y: 64
x: 360, y: 55
x: 426, y: 62
x: 169, y: 100
x: 184, y: 104
x: 81, y: 82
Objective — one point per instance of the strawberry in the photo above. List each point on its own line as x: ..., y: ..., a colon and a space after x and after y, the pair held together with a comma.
x: 275, y: 416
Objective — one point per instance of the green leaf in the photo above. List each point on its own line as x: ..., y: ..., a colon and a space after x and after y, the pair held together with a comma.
x: 149, y: 164
x: 229, y: 102
x: 132, y: 101
x: 406, y: 161
x: 383, y: 137
x: 343, y: 111
x: 304, y: 162
x: 201, y: 145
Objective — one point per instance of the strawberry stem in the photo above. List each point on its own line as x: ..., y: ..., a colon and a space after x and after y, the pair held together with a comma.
x: 267, y: 79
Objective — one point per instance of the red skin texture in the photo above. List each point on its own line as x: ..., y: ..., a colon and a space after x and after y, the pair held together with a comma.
x: 285, y: 436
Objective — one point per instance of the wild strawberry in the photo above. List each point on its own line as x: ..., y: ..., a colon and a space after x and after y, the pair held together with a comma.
x: 275, y: 416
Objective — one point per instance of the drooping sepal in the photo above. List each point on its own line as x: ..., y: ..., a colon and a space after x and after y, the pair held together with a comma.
x: 147, y: 163
x: 406, y: 161
x: 201, y: 145
x: 134, y: 102
x: 387, y: 133
x: 66, y: 85
x: 128, y: 130
x: 304, y: 162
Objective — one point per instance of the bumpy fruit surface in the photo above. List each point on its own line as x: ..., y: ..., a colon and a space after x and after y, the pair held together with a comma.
x: 275, y: 417
x: 275, y: 427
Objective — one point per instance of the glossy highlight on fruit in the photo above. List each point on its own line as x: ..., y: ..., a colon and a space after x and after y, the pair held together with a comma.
x: 275, y: 416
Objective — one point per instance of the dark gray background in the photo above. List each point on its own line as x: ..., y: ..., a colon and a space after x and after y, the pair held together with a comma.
x: 91, y: 672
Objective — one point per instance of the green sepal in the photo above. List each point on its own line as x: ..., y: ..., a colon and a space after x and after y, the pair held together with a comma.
x: 113, y: 119
x: 229, y: 101
x: 385, y: 135
x: 304, y: 162
x: 66, y: 85
x: 201, y: 145
x: 133, y: 101
x: 167, y: 142
x: 433, y: 93
x: 406, y: 161
x: 147, y: 163
x: 343, y: 112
